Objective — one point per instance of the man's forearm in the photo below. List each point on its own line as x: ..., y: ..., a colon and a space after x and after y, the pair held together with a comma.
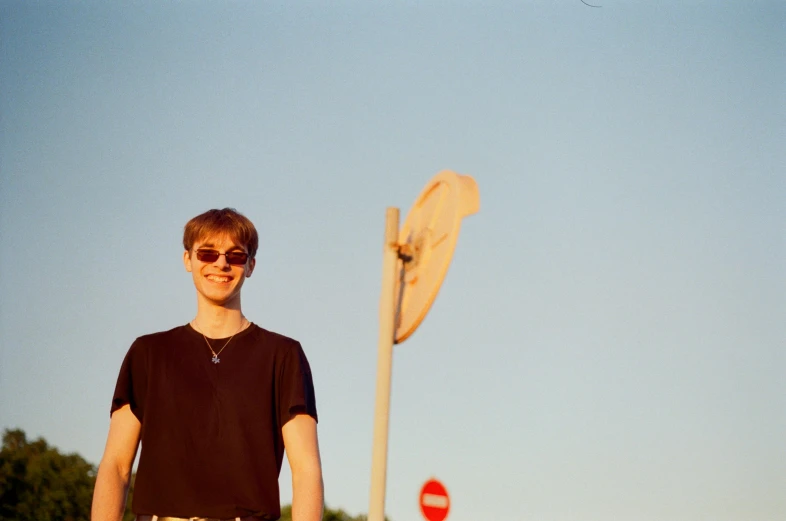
x: 308, y: 496
x: 109, y: 496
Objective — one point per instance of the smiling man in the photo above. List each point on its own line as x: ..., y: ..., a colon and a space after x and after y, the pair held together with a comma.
x: 213, y: 402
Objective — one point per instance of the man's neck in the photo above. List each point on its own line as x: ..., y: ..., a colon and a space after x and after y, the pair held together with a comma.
x: 218, y: 321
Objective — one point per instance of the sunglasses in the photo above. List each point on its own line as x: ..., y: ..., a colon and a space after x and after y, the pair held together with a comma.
x: 235, y: 258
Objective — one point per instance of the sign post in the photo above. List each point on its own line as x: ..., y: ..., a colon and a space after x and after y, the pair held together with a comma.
x: 415, y: 261
x: 384, y: 367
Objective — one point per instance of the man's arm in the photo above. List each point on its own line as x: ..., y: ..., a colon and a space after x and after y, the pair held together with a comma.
x: 300, y: 442
x: 114, y: 471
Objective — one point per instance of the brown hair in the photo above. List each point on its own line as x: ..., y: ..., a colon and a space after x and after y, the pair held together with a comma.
x: 227, y: 222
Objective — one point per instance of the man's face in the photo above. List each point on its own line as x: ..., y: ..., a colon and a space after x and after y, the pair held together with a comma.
x: 217, y: 281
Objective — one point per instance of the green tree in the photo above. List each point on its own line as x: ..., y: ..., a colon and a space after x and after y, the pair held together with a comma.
x: 328, y: 515
x: 128, y: 515
x: 38, y: 483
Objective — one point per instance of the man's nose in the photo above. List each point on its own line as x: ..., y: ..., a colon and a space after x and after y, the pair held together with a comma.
x: 221, y: 261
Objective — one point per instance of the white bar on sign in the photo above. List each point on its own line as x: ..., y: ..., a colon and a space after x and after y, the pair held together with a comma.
x: 432, y: 500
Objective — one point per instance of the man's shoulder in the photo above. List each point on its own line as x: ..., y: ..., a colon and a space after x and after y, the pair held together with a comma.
x: 284, y: 350
x: 276, y: 339
x: 161, y: 336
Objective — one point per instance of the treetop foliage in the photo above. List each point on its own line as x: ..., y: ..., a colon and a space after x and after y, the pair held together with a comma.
x: 328, y: 515
x: 39, y: 483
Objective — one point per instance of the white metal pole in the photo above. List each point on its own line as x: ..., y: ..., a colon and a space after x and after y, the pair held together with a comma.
x: 379, y: 456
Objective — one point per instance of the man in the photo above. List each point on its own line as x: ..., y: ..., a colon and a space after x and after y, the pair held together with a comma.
x: 213, y: 402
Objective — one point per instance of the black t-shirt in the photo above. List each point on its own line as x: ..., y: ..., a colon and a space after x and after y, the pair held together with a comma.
x: 211, y: 433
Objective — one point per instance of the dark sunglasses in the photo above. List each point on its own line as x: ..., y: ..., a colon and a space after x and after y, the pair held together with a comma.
x: 235, y: 258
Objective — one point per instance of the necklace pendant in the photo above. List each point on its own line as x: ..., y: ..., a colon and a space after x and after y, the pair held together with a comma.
x: 215, y: 359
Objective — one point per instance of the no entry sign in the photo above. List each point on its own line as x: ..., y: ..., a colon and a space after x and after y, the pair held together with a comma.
x: 434, y: 501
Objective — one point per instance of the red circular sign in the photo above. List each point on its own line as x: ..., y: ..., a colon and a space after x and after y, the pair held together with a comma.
x: 434, y: 501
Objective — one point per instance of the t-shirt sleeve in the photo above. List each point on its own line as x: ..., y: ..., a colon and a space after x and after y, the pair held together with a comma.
x: 131, y: 382
x: 296, y: 394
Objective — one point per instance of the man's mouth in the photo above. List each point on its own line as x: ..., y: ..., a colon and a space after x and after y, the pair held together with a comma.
x: 218, y: 278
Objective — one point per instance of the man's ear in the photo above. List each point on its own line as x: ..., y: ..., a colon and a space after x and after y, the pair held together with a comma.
x: 250, y: 269
x: 187, y: 260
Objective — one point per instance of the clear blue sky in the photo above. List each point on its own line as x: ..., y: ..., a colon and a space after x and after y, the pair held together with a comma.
x: 609, y: 343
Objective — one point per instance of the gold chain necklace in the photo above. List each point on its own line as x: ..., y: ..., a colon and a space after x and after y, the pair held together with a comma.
x: 215, y: 358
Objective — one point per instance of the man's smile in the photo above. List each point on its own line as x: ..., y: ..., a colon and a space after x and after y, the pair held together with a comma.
x: 218, y: 278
